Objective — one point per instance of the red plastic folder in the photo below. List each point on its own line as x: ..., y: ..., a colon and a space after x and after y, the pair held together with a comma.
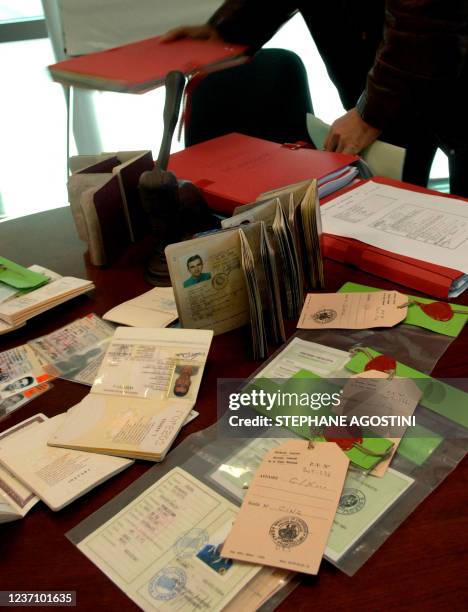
x: 235, y: 169
x: 143, y: 65
x: 425, y: 277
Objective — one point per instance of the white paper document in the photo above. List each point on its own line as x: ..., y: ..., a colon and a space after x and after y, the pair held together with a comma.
x: 155, y: 308
x: 163, y: 549
x: 55, y: 475
x: 427, y: 227
x: 300, y: 354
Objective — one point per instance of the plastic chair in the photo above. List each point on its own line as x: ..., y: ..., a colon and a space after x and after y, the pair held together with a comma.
x: 268, y: 97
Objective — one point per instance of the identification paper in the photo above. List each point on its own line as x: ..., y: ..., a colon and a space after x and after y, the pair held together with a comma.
x: 154, y: 363
x: 55, y: 475
x: 20, y: 369
x: 288, y: 510
x: 164, y: 548
x: 353, y: 310
x: 75, y: 351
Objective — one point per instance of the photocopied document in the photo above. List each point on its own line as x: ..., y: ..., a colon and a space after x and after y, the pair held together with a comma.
x: 164, y: 548
x: 55, y: 475
x: 384, y: 159
x: 427, y: 227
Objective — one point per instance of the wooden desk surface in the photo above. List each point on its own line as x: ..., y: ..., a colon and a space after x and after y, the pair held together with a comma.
x: 420, y: 567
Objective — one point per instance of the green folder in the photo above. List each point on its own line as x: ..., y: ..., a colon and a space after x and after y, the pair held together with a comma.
x: 16, y: 276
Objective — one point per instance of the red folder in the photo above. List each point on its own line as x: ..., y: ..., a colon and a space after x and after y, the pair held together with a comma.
x: 143, y: 65
x: 425, y: 277
x: 235, y: 169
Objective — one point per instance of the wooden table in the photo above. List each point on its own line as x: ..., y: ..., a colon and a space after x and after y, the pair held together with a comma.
x: 420, y: 567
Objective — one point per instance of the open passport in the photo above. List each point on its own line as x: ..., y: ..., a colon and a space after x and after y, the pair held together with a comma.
x: 143, y: 393
x: 225, y: 279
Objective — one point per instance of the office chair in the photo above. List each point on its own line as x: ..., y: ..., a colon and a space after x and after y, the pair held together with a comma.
x: 268, y: 97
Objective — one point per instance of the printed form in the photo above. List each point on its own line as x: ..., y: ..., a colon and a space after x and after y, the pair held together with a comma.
x: 427, y: 227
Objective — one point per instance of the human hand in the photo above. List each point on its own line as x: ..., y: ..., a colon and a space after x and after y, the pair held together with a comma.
x: 202, y: 32
x: 350, y: 134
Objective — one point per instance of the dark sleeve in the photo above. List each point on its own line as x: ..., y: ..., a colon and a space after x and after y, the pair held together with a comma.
x: 424, y: 44
x: 251, y: 22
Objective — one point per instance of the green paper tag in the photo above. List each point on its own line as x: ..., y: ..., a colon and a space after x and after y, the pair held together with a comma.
x: 299, y: 384
x: 437, y: 396
x: 18, y: 277
x: 419, y: 318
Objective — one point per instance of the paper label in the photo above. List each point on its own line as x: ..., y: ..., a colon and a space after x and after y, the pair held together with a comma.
x: 288, y: 511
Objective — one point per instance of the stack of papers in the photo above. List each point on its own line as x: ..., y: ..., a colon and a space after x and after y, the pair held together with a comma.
x: 16, y: 500
x: 143, y: 394
x: 17, y: 311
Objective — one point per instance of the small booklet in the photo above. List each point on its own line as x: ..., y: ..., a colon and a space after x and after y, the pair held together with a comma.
x: 155, y: 308
x: 55, y: 475
x: 105, y: 203
x: 16, y: 500
x: 301, y: 216
x: 226, y: 279
x: 143, y: 394
x: 21, y: 369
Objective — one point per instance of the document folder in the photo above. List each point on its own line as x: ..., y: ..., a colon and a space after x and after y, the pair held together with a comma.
x: 143, y: 65
x: 436, y: 281
x: 235, y: 169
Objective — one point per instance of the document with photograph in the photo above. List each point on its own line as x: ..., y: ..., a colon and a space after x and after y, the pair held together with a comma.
x: 21, y: 369
x: 13, y: 402
x: 75, y: 351
x: 16, y: 500
x: 57, y: 476
x: 227, y: 279
x: 143, y: 395
x: 164, y: 548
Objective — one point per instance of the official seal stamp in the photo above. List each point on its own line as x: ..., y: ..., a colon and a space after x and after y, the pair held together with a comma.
x: 167, y: 584
x: 289, y: 531
x: 324, y: 316
x: 219, y: 281
x: 190, y: 543
x: 351, y: 501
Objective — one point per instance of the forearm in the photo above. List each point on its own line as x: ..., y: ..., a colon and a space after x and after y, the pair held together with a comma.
x: 251, y: 22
